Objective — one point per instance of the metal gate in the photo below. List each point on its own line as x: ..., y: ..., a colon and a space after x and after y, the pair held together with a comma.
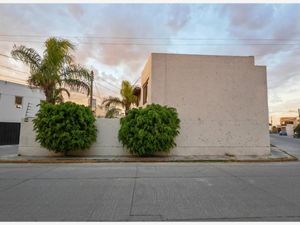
x: 9, y: 133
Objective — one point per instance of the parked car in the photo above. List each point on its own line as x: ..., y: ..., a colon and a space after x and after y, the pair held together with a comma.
x: 283, y: 133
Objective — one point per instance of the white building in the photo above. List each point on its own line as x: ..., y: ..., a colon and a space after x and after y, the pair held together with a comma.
x: 18, y: 101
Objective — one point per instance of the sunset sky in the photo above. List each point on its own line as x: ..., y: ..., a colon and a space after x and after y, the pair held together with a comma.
x: 115, y: 40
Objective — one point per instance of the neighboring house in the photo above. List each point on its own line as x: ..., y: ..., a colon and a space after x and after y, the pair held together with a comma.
x: 17, y: 101
x: 289, y: 120
x: 221, y: 101
x: 288, y: 124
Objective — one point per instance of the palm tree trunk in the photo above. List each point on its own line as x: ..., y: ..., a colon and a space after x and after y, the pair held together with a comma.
x: 49, y: 96
x: 126, y: 110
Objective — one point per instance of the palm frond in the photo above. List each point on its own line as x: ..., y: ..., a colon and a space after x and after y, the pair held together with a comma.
x: 27, y: 55
x: 64, y: 90
x: 76, y: 84
x: 112, y: 113
x: 76, y: 72
x: 112, y: 101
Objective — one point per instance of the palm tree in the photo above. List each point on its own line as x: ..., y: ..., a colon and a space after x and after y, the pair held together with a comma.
x: 55, y: 72
x: 112, y: 112
x: 128, y: 97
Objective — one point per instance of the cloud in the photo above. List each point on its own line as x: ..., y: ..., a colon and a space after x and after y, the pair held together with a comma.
x: 248, y: 16
x: 75, y: 10
x: 179, y: 15
x: 120, y: 28
x: 260, y: 23
x: 114, y: 24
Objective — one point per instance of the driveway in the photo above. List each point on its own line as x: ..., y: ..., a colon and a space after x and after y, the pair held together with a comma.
x: 150, y: 191
x: 291, y: 145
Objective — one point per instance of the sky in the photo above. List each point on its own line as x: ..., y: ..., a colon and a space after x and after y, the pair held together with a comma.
x: 115, y: 40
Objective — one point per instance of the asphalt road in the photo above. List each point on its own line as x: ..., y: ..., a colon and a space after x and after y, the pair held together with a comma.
x: 289, y: 144
x: 150, y: 191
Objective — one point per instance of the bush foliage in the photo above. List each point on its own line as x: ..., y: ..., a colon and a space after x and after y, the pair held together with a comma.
x: 145, y: 131
x: 65, y: 127
x: 297, y: 131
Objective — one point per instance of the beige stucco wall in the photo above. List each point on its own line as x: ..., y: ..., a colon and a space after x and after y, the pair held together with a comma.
x: 221, y: 101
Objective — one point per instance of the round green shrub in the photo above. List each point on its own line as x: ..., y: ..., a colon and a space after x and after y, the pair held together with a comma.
x: 145, y: 131
x: 65, y: 127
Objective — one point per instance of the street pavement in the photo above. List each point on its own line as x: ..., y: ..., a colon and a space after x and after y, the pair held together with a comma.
x: 289, y: 144
x: 152, y: 191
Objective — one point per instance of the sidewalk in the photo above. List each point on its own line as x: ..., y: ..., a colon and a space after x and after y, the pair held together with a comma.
x: 277, y: 155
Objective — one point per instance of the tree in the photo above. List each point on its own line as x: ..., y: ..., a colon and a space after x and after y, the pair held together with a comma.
x: 128, y: 97
x: 112, y: 112
x: 55, y: 72
x: 297, y: 131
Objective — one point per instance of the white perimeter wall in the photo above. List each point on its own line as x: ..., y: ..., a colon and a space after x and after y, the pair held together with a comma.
x: 107, y: 143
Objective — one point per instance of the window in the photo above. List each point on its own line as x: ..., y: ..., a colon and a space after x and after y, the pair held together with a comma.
x: 18, y: 102
x: 145, y: 92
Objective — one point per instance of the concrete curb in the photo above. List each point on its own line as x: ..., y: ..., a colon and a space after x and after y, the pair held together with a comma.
x: 277, y: 155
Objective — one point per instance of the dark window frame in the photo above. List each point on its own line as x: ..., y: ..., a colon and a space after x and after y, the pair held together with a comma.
x: 145, y: 92
x: 19, y: 104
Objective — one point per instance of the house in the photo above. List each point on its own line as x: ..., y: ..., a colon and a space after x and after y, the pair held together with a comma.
x: 17, y: 101
x: 288, y: 124
x: 221, y: 101
x: 289, y: 120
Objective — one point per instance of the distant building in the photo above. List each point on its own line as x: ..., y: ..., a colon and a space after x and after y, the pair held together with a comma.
x: 289, y: 120
x: 17, y: 101
x: 221, y: 100
x: 288, y: 124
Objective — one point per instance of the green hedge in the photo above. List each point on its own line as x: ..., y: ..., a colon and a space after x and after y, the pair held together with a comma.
x: 65, y: 127
x: 145, y: 131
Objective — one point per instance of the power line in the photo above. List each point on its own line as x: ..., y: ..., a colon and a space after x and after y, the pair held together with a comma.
x: 98, y: 92
x: 9, y: 68
x: 168, y: 44
x: 15, y: 78
x: 116, y: 89
x: 10, y: 57
x: 109, y: 89
x: 113, y: 85
x: 144, y: 38
x: 136, y: 80
x: 7, y: 56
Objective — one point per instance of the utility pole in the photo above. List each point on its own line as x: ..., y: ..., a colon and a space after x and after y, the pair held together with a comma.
x: 91, y: 94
